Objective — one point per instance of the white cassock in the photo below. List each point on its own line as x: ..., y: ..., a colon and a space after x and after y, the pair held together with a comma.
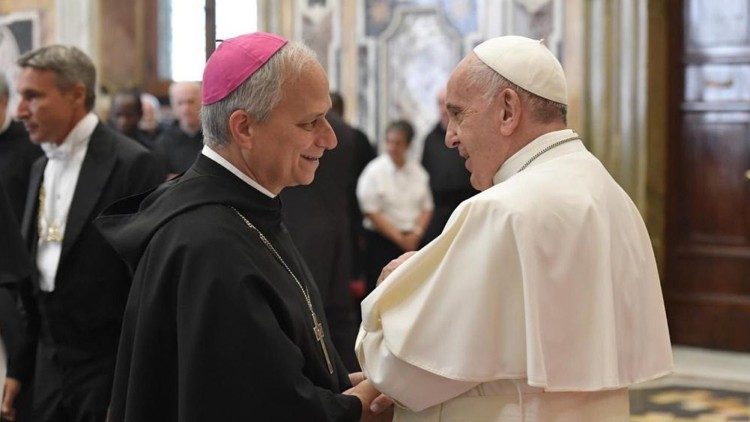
x: 540, y: 301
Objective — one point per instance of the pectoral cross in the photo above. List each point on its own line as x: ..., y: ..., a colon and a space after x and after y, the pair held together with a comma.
x: 319, y: 334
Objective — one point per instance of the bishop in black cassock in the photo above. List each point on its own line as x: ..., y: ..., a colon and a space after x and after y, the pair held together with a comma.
x: 215, y: 328
x: 224, y: 321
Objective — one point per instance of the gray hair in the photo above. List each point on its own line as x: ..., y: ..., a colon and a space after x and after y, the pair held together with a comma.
x: 258, y: 95
x: 71, y: 66
x: 542, y: 109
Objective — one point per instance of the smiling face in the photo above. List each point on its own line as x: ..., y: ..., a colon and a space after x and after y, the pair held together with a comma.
x: 474, y: 127
x: 287, y: 146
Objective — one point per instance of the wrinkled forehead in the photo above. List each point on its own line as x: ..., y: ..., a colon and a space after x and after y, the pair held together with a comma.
x: 459, y: 85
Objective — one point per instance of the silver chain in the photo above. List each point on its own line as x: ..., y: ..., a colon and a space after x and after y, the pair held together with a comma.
x: 549, y: 147
x: 278, y: 257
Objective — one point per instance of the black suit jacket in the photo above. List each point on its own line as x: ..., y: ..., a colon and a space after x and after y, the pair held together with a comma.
x: 317, y: 216
x: 84, y: 312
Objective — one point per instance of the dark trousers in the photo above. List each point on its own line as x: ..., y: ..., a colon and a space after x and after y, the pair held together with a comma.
x: 70, y: 385
x: 379, y: 251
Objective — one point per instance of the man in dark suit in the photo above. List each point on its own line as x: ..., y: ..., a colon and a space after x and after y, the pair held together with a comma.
x: 317, y: 216
x: 363, y: 154
x: 16, y: 155
x: 449, y: 179
x: 81, y: 285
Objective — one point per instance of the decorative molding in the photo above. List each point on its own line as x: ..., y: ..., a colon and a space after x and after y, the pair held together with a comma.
x: 417, y: 53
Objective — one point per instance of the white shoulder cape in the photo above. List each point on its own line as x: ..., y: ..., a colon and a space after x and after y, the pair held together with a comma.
x: 548, y: 276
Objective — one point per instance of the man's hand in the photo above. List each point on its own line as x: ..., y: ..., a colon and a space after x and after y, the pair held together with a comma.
x: 12, y: 388
x: 375, y: 406
x: 391, y: 267
x: 356, y: 377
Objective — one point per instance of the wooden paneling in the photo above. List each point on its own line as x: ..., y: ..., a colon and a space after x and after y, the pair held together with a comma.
x: 707, y: 289
x: 129, y: 46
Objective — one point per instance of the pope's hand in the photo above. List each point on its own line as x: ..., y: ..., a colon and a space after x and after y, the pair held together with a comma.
x: 391, y: 267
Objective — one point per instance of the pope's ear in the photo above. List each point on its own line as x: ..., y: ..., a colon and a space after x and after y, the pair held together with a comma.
x: 510, y: 103
x: 241, y: 128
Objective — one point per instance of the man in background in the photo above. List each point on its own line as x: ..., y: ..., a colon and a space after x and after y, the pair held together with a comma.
x: 179, y: 144
x: 449, y: 179
x: 363, y: 154
x: 317, y: 216
x: 80, y: 284
x: 125, y: 113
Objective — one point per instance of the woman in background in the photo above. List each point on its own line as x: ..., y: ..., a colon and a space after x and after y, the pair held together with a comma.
x: 394, y: 195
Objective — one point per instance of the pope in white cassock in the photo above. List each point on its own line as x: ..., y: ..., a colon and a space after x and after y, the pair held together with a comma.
x: 540, y: 301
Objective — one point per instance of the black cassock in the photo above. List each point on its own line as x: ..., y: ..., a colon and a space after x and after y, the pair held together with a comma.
x: 215, y: 328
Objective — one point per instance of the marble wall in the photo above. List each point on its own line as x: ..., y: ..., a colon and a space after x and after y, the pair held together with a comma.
x: 390, y: 58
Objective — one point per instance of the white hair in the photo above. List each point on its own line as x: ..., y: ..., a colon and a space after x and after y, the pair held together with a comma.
x: 258, y: 95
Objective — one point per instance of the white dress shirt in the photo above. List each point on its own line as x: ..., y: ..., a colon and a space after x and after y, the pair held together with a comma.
x: 399, y: 194
x: 213, y: 155
x: 60, y: 179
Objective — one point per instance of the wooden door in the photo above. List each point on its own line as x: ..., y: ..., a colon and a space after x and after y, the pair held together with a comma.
x: 707, y: 288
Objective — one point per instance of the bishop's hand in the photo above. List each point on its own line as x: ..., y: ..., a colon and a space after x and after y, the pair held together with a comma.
x: 375, y: 406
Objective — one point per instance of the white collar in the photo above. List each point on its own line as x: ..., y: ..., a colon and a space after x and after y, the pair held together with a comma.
x: 513, y: 164
x: 210, y: 153
x: 78, y: 137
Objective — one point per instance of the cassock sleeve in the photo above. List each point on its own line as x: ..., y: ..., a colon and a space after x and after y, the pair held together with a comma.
x: 234, y: 360
x: 413, y: 387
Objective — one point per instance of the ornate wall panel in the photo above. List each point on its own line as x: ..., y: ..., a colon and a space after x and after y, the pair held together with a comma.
x: 409, y: 49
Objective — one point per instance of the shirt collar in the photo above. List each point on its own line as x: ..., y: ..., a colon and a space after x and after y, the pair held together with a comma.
x: 513, y: 164
x: 213, y: 155
x: 391, y: 166
x: 77, y: 138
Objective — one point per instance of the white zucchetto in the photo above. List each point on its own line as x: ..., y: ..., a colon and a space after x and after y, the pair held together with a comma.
x: 527, y: 63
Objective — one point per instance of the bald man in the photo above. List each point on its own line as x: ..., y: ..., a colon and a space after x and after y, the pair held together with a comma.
x: 181, y: 142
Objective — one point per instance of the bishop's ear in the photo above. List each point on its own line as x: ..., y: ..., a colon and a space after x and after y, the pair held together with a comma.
x: 510, y: 104
x: 241, y: 128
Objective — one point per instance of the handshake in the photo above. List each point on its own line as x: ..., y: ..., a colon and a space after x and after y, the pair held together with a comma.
x: 375, y: 406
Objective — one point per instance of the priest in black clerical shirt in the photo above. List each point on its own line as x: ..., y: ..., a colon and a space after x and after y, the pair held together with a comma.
x: 181, y: 142
x: 224, y: 321
x: 449, y: 179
